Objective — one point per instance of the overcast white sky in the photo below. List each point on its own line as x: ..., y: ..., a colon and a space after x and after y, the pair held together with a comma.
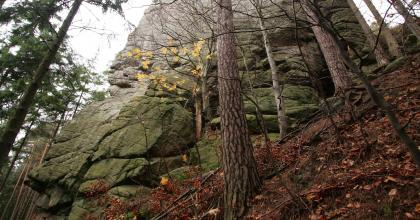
x: 110, y: 30
x: 107, y: 33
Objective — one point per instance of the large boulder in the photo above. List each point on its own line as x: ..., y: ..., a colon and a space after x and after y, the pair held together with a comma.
x: 300, y: 101
x: 115, y: 144
x: 113, y: 171
x: 158, y: 127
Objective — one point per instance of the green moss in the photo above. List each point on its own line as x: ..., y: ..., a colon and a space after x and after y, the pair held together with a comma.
x: 179, y: 174
x: 208, y: 150
x: 296, y: 98
x: 264, y: 97
x: 157, y: 126
x: 113, y: 171
x: 394, y: 65
x: 129, y: 191
x: 302, y: 111
x: 257, y: 78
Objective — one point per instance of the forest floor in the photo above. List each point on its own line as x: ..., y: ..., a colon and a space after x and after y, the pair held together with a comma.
x: 359, y: 171
x: 354, y: 168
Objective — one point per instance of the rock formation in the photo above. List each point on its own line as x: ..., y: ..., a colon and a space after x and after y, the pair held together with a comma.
x: 139, y: 133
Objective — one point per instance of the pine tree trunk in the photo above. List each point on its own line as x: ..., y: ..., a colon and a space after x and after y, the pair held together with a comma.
x: 380, y: 55
x: 18, y: 117
x: 198, y: 105
x: 391, y: 41
x: 79, y: 102
x: 377, y: 97
x: 1, y: 3
x: 16, y: 157
x: 205, y: 96
x: 410, y: 20
x: 330, y: 49
x: 277, y: 86
x: 240, y: 172
x: 28, y: 167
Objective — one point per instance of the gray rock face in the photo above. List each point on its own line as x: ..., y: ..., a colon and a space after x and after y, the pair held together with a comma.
x: 138, y: 133
x: 115, y: 141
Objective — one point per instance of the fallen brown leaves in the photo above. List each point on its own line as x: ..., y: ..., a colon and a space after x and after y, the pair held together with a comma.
x: 360, y: 171
x: 368, y: 174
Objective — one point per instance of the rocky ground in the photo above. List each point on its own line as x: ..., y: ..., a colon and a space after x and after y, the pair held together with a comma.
x: 357, y: 169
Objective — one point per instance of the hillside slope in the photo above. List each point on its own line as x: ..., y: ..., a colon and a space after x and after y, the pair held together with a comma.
x: 355, y: 168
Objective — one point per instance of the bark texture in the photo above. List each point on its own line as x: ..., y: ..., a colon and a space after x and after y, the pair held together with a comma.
x: 18, y: 117
x: 240, y: 172
x: 16, y: 156
x: 198, y: 105
x: 277, y: 85
x: 410, y: 20
x: 391, y: 41
x: 329, y: 47
x: 374, y: 44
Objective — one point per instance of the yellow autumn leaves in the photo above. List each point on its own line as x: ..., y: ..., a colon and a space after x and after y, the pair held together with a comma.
x: 161, y: 81
x: 138, y: 54
x: 195, y: 51
x: 192, y: 54
x: 164, y: 181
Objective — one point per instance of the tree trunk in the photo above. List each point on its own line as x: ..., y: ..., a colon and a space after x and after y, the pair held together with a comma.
x: 375, y: 95
x: 240, y: 172
x: 1, y: 3
x: 330, y: 49
x: 79, y: 102
x: 198, y: 105
x: 374, y: 44
x: 391, y: 41
x: 16, y: 157
x: 205, y: 93
x: 205, y: 98
x: 277, y: 86
x: 18, y: 117
x: 53, y: 136
x: 410, y: 20
x: 19, y: 200
x: 15, y: 188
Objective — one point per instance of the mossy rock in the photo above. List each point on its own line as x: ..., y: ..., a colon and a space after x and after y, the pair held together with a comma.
x: 156, y: 126
x: 208, y: 150
x: 264, y: 97
x: 178, y: 174
x: 270, y: 121
x: 54, y: 198
x: 129, y: 191
x: 248, y: 63
x: 159, y: 166
x: 85, y: 209
x: 300, y: 101
x: 394, y: 65
x: 177, y: 94
x: 113, y: 171
x: 257, y: 78
x: 302, y: 111
x: 63, y: 170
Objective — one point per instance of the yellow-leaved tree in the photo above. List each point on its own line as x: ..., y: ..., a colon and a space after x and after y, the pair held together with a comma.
x: 195, y: 58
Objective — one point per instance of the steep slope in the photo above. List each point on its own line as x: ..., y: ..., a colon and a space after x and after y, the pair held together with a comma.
x: 359, y: 171
x: 124, y: 144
